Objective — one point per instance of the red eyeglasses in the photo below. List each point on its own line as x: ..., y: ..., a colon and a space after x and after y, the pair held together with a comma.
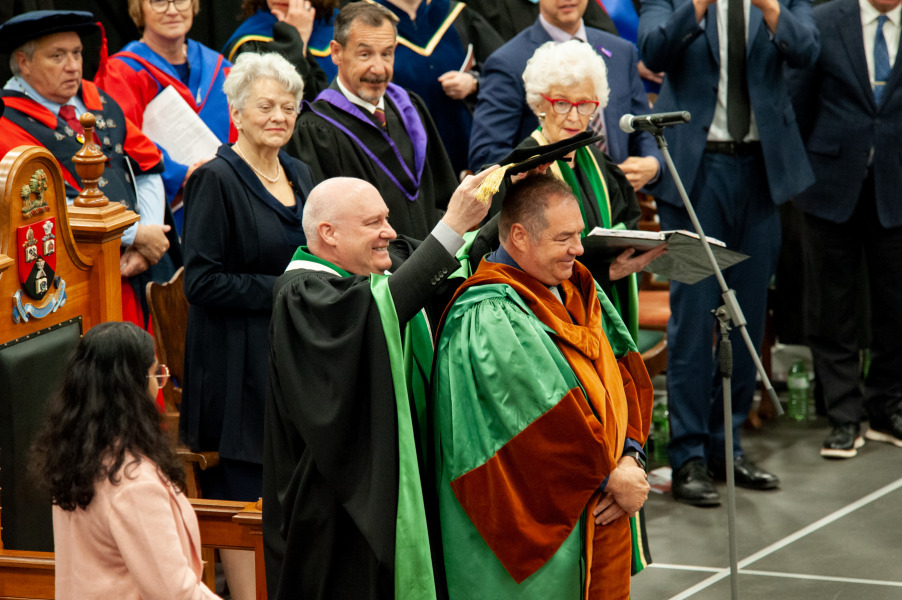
x: 562, y: 106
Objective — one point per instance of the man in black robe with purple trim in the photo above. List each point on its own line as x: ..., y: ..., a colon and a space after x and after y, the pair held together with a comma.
x: 366, y: 127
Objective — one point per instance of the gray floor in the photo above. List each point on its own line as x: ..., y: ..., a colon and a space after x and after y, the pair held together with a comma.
x: 832, y: 531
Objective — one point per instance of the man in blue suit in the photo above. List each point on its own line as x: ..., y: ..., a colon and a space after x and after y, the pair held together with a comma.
x: 502, y: 118
x: 850, y: 114
x: 739, y: 157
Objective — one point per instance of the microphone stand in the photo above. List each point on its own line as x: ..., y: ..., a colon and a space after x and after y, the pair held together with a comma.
x: 726, y: 313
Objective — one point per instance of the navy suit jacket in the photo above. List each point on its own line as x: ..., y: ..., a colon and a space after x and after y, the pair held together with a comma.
x: 503, y: 119
x: 842, y: 124
x: 671, y: 40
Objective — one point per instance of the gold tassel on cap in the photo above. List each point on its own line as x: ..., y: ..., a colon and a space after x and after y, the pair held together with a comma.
x: 490, y: 185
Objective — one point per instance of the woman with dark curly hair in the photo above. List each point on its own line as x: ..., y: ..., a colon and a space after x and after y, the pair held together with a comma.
x: 299, y: 30
x: 122, y: 526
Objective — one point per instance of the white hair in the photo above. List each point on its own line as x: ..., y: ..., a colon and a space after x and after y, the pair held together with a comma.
x: 564, y: 65
x: 250, y: 66
x: 27, y: 49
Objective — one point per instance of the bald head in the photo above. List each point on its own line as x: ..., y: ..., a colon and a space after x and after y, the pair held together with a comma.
x: 346, y: 222
x: 326, y: 200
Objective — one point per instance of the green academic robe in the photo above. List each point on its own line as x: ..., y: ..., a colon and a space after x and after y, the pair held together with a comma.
x: 531, y: 415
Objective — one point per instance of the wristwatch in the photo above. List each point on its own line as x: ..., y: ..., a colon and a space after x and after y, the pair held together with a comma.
x: 637, y: 456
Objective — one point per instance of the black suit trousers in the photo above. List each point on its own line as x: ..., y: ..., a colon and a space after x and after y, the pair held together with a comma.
x: 854, y: 287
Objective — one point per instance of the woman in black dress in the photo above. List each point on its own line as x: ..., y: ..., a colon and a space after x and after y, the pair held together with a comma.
x: 243, y: 226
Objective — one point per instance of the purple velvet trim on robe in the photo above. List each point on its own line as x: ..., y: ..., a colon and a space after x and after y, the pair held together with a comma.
x: 412, y: 124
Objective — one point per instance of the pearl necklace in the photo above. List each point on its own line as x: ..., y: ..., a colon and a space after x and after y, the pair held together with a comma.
x: 256, y: 170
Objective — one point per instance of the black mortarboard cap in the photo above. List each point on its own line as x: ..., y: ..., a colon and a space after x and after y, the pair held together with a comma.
x: 38, y: 23
x: 524, y: 159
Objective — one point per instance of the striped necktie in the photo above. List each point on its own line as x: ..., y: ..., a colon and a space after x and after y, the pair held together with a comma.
x: 380, y: 116
x: 881, y: 60
x: 598, y: 127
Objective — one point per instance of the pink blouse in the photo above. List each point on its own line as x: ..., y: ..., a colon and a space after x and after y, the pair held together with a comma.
x: 138, y: 539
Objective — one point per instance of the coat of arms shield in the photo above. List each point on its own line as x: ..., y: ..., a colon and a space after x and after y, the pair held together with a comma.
x: 37, y: 257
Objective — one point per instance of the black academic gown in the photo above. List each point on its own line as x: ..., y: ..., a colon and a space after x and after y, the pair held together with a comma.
x: 331, y: 153
x: 286, y: 42
x: 238, y: 240
x: 331, y: 445
x: 427, y: 48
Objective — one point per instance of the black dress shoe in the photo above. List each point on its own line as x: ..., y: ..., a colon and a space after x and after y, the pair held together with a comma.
x: 747, y: 474
x: 843, y: 441
x: 692, y: 484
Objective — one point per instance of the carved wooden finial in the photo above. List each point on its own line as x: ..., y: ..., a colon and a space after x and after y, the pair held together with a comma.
x: 89, y: 164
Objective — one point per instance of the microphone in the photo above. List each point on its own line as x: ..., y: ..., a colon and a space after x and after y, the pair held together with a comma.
x: 653, y: 122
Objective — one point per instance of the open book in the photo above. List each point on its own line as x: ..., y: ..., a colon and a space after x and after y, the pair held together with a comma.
x: 685, y: 260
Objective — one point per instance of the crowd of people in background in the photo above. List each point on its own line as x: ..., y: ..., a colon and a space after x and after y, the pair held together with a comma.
x: 345, y: 138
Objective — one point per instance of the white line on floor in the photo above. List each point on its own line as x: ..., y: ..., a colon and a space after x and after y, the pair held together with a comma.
x: 887, y: 489
x: 819, y: 524
x: 721, y: 571
x: 698, y: 568
x: 822, y: 578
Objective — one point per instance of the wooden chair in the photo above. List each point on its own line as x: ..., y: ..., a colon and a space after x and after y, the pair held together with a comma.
x: 77, y: 287
x: 27, y: 574
x: 84, y: 290
x: 169, y: 314
x: 653, y: 348
x: 654, y: 301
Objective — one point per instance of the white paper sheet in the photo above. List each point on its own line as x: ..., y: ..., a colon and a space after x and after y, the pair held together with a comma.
x: 468, y: 61
x: 174, y: 126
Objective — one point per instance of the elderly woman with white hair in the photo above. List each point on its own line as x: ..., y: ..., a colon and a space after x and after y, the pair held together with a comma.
x: 242, y: 225
x: 566, y: 85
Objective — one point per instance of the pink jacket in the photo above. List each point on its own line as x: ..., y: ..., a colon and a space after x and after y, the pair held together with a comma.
x: 136, y: 540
